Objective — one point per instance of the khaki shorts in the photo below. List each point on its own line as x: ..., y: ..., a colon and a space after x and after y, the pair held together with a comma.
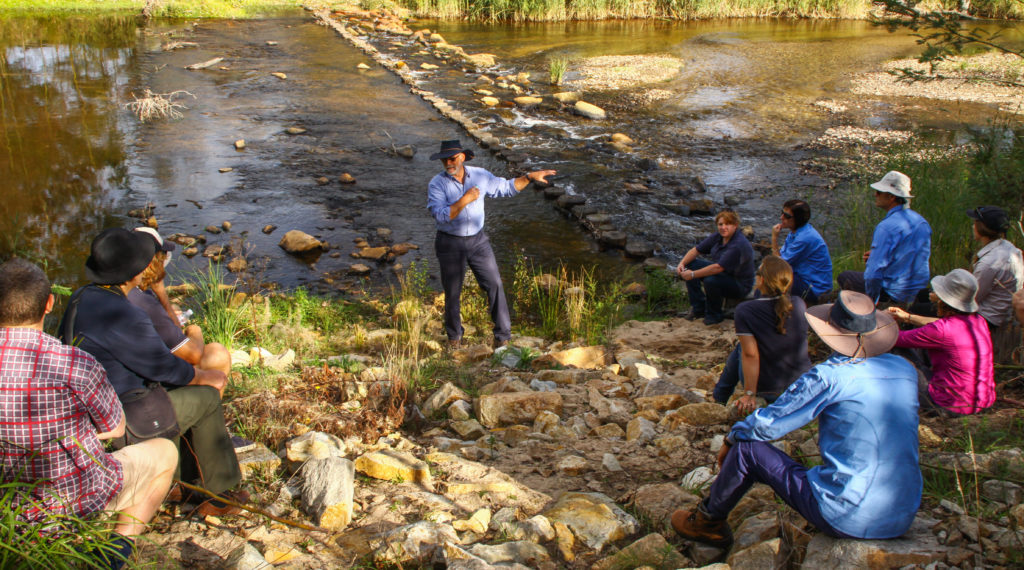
x: 140, y: 465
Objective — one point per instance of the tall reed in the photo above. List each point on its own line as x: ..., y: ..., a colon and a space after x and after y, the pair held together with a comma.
x: 559, y: 10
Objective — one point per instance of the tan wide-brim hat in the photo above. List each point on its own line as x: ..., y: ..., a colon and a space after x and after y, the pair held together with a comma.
x: 853, y: 327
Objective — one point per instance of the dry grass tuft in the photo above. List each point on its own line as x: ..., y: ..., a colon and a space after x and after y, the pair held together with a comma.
x: 157, y: 105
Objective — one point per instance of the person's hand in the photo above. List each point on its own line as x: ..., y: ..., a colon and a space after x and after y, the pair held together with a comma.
x: 471, y: 195
x: 722, y: 453
x: 775, y: 230
x: 746, y: 404
x: 1018, y: 305
x: 866, y: 255
x: 899, y: 314
x: 540, y: 176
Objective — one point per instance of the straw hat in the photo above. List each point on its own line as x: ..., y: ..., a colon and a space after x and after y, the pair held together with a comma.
x: 957, y: 289
x: 895, y: 183
x: 853, y: 327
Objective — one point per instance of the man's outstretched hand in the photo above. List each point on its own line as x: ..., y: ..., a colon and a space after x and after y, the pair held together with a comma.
x: 540, y: 176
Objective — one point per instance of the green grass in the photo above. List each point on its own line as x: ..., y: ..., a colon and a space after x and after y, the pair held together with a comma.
x: 559, y: 10
x: 57, y: 542
x: 557, y: 67
x: 167, y: 9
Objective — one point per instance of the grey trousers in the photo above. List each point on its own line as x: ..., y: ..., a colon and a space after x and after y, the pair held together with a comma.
x: 454, y: 253
x: 207, y: 456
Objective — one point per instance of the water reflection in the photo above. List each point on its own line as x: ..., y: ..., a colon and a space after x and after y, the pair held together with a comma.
x: 62, y: 151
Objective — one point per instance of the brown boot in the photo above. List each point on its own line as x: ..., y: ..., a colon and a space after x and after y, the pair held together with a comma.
x: 695, y: 525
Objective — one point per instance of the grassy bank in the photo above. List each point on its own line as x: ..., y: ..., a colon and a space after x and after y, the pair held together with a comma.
x: 162, y: 9
x: 558, y: 10
x: 945, y: 186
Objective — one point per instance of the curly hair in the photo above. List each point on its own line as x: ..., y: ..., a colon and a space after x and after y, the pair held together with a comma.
x: 155, y: 271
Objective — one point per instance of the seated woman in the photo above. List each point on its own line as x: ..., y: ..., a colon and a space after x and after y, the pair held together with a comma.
x: 959, y: 347
x: 729, y: 274
x: 772, y: 330
x: 999, y: 268
x: 151, y: 297
x: 804, y: 250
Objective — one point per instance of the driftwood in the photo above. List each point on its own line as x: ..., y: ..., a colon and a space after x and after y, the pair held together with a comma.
x: 204, y: 64
x: 178, y: 45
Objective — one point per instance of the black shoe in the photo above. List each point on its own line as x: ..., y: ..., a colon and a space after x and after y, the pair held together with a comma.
x: 694, y: 315
x: 713, y: 319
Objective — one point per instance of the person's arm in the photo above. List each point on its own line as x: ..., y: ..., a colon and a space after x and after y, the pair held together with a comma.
x: 687, y: 259
x: 750, y: 359
x: 118, y: 431
x: 1018, y: 305
x: 986, y: 276
x: 523, y: 181
x: 708, y: 271
x: 931, y: 335
x: 776, y: 229
x: 191, y: 351
x: 438, y: 205
x: 881, y: 256
x: 902, y: 316
x: 160, y: 292
x: 795, y: 408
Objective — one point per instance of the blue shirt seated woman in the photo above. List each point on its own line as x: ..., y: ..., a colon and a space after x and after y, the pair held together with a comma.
x: 729, y: 273
x: 804, y: 250
x: 772, y: 331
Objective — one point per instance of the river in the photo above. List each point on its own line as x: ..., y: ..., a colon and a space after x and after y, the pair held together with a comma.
x: 75, y: 160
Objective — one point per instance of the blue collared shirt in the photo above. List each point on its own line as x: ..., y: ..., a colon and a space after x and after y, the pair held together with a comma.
x: 869, y: 485
x: 444, y: 190
x: 807, y: 254
x: 900, y: 250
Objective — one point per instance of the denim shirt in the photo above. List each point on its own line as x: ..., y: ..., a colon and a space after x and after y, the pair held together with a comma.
x: 900, y: 249
x: 444, y: 190
x: 869, y: 485
x: 807, y: 254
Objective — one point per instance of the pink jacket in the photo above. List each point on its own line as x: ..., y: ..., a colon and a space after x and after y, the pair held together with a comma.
x: 960, y: 348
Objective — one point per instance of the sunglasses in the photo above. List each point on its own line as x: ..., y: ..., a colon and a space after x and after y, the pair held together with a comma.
x: 787, y: 215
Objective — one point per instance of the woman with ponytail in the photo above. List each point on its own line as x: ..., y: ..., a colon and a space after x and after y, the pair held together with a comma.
x: 772, y: 331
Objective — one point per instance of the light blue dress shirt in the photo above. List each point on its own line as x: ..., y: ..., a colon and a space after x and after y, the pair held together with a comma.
x: 807, y: 253
x: 900, y: 250
x: 444, y: 190
x: 869, y: 485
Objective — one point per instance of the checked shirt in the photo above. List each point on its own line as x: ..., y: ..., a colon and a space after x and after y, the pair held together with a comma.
x: 53, y: 401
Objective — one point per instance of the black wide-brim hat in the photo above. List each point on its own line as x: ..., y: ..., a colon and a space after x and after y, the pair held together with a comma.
x: 450, y: 149
x: 116, y: 255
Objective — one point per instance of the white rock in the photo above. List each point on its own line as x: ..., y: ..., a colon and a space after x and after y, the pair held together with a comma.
x: 542, y: 386
x: 327, y: 489
x: 460, y: 410
x: 611, y: 463
x: 697, y: 479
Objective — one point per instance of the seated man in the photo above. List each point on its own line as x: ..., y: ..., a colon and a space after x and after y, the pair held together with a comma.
x: 103, y: 323
x: 151, y: 297
x: 866, y: 404
x: 57, y: 406
x: 897, y: 263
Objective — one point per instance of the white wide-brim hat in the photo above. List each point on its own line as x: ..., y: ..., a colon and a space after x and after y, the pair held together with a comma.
x: 895, y: 183
x: 957, y: 289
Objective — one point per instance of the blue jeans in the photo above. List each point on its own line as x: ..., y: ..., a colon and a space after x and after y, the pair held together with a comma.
x: 707, y: 294
x: 750, y: 462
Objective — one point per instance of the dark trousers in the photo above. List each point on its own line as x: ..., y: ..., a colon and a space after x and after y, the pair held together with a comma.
x: 708, y: 294
x: 803, y: 290
x: 208, y: 458
x: 732, y: 375
x: 750, y: 462
x: 454, y: 253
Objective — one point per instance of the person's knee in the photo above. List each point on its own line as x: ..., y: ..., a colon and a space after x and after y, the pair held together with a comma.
x: 164, y: 452
x: 216, y: 357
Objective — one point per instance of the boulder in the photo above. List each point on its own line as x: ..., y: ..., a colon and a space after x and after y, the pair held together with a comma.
x: 1002, y: 491
x: 608, y: 431
x: 640, y: 430
x: 608, y: 409
x: 296, y: 241
x: 589, y: 110
x: 704, y: 414
x: 327, y: 489
x: 545, y: 421
x: 536, y: 529
x: 481, y: 59
x: 509, y: 408
x: 756, y: 529
x: 590, y: 357
x: 767, y: 555
x: 521, y: 552
x: 609, y: 462
x: 652, y: 550
x: 593, y: 517
x: 572, y: 465
x: 359, y: 269
x: 314, y: 445
x: 917, y: 547
x: 444, y: 396
x: 658, y: 501
x: 527, y: 102
x: 258, y: 460
x: 469, y: 429
x: 422, y: 542
x: 660, y: 403
x: 614, y: 239
x: 566, y: 97
x: 640, y: 370
x: 460, y: 410
x: 391, y: 465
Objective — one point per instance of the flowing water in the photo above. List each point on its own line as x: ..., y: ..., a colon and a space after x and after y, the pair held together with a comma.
x: 73, y: 160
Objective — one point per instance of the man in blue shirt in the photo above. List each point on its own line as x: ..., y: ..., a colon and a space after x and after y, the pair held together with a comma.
x: 804, y: 250
x: 455, y: 198
x: 897, y: 263
x: 865, y: 401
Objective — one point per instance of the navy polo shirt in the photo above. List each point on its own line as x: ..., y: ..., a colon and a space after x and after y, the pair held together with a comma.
x: 735, y: 257
x: 123, y: 339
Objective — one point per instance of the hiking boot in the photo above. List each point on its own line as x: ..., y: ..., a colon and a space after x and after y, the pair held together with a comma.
x: 500, y: 343
x: 454, y: 345
x: 693, y: 315
x: 713, y: 319
x: 215, y: 508
x: 696, y: 525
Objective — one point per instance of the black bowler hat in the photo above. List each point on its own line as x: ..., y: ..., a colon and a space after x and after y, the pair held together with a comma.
x: 450, y: 149
x: 117, y: 255
x: 993, y: 217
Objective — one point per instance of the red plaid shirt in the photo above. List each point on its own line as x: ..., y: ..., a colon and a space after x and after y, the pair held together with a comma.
x: 53, y: 400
